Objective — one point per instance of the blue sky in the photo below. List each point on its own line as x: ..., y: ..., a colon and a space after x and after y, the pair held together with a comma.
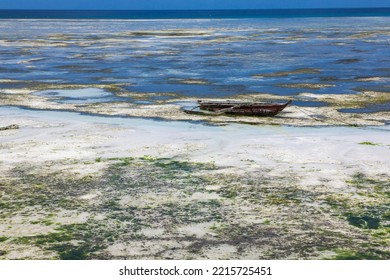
x: 188, y: 4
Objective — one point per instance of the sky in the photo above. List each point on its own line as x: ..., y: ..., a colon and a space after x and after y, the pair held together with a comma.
x: 188, y: 4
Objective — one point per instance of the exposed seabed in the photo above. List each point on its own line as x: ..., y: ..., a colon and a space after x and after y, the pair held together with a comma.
x: 85, y: 187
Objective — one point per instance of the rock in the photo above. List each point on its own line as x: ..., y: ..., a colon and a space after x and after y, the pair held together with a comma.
x: 12, y: 126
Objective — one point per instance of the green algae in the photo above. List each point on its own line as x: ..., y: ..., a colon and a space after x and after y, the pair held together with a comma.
x: 70, y: 242
x: 364, y: 221
x: 3, y: 238
x: 368, y: 143
x: 190, y: 81
x: 244, y: 211
x: 360, y: 255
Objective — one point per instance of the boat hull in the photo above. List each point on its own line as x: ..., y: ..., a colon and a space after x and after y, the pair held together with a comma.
x: 243, y: 108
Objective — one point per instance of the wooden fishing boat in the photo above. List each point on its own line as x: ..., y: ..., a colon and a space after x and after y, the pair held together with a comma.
x: 263, y: 109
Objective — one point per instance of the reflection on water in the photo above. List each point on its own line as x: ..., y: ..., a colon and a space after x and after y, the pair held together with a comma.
x: 79, y: 96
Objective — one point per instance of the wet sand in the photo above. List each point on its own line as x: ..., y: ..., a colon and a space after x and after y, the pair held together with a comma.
x: 113, y: 100
x: 79, y: 186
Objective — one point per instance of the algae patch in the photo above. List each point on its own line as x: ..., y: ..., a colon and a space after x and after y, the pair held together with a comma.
x: 193, y: 206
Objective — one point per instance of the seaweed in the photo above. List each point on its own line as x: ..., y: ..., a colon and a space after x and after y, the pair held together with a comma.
x: 244, y: 210
x: 344, y: 254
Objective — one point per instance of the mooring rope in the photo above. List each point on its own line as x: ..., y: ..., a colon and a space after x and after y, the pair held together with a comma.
x: 338, y: 120
x: 325, y: 121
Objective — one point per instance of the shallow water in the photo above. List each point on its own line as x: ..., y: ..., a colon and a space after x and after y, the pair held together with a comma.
x: 78, y: 96
x: 373, y: 108
x: 203, y: 57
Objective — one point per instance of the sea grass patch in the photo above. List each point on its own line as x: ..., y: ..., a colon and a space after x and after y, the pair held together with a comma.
x: 169, y: 208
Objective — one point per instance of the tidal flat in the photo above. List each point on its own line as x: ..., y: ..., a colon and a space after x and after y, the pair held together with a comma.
x: 102, y: 162
x: 85, y: 187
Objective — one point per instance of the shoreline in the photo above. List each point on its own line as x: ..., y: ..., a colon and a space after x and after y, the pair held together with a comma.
x: 171, y: 110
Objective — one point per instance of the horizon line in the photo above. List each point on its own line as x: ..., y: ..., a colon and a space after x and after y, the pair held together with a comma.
x: 223, y: 9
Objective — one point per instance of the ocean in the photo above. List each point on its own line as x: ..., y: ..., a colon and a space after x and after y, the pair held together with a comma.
x: 191, y: 14
x: 163, y: 55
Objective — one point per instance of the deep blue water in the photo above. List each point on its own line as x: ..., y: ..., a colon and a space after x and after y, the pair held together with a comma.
x: 191, y: 14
